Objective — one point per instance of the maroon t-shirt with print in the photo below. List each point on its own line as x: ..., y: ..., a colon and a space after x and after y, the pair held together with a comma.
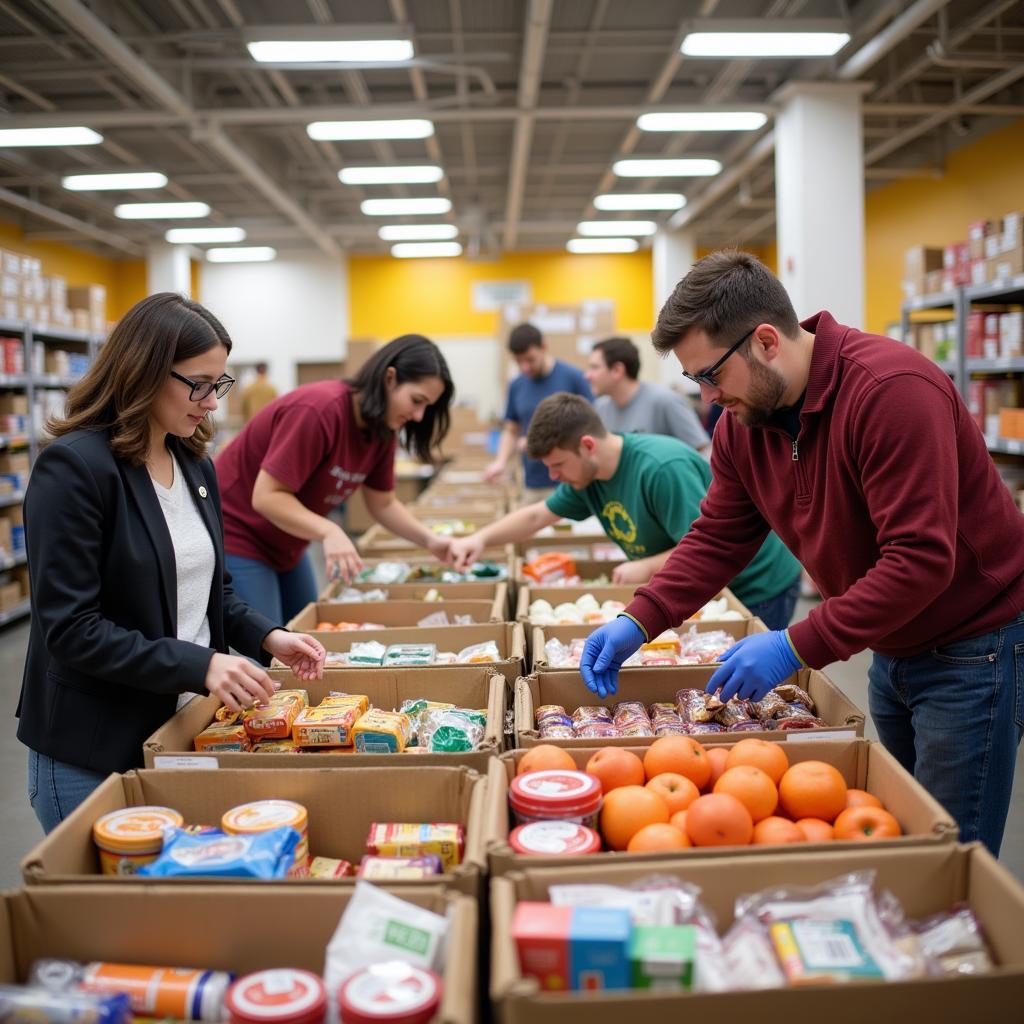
x: 310, y: 441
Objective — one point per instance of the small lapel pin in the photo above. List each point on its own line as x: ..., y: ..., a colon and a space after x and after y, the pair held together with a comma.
x: 202, y: 492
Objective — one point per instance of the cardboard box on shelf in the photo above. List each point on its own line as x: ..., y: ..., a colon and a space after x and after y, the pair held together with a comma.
x: 172, y: 746
x: 10, y: 263
x: 397, y: 613
x: 1011, y: 335
x: 11, y: 595
x: 92, y: 299
x: 864, y: 764
x: 1011, y: 423
x: 653, y: 684
x: 6, y: 542
x: 341, y: 802
x: 201, y: 928
x: 925, y: 879
x: 1009, y: 263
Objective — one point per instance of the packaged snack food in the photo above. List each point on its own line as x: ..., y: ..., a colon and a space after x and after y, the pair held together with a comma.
x: 735, y: 712
x: 665, y: 643
x: 662, y: 956
x: 791, y: 693
x: 451, y: 731
x: 44, y: 1006
x: 549, y: 567
x: 399, y: 839
x: 326, y: 726
x: 266, y: 855
x: 388, y: 869
x: 954, y: 943
x: 223, y: 736
x: 276, y: 747
x: 285, y: 995
x: 274, y: 721
x: 769, y: 705
x: 705, y: 647
x: 796, y: 716
x: 479, y: 654
x: 131, y: 838
x: 382, y: 732
x: 328, y: 867
x: 410, y: 654
x: 370, y: 653
x: 264, y: 815
x: 556, y: 795
x: 385, y: 573
x: 692, y: 705
x: 336, y: 699
x: 392, y: 992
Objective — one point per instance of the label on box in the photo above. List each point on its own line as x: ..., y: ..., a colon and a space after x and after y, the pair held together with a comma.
x: 810, y: 735
x: 184, y: 761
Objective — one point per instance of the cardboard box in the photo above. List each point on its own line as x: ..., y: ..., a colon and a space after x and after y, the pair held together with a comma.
x: 926, y: 880
x: 396, y: 612
x: 13, y: 404
x: 342, y: 803
x: 918, y: 262
x: 92, y: 299
x: 1009, y: 263
x: 10, y: 262
x: 171, y: 746
x: 528, y: 593
x: 10, y: 596
x: 456, y: 507
x: 428, y: 570
x: 200, y: 928
x: 653, y: 684
x: 492, y: 592
x: 863, y: 763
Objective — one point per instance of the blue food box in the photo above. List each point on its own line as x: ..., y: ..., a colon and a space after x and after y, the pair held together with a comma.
x: 599, y: 939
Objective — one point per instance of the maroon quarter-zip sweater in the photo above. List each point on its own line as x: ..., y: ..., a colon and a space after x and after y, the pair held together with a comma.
x: 887, y: 496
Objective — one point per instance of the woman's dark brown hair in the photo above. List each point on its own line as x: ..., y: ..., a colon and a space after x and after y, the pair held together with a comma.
x: 120, y: 387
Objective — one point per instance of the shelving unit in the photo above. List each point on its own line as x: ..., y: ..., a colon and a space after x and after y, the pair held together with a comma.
x: 948, y: 304
x: 28, y: 384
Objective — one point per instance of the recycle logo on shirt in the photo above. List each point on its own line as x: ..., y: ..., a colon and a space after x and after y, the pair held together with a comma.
x: 620, y: 522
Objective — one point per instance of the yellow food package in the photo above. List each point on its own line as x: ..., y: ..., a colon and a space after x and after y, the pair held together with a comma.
x: 382, y: 732
x: 222, y: 736
x: 302, y: 696
x: 274, y: 721
x: 276, y: 747
x: 667, y: 643
x: 446, y: 840
x: 341, y: 700
x: 325, y: 726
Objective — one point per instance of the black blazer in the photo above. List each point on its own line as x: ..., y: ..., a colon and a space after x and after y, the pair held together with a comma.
x: 104, y: 668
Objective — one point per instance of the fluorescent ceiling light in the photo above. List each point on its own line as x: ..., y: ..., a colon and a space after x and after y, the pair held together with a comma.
x: 417, y: 232
x: 349, y: 131
x: 160, y: 211
x: 640, y: 201
x: 415, y: 250
x: 582, y: 245
x: 330, y: 51
x: 702, y: 121
x: 684, y: 167
x: 184, y: 236
x: 243, y: 254
x: 425, y: 174
x: 606, y: 228
x: 763, y: 44
x: 398, y: 207
x: 125, y: 180
x: 72, y: 136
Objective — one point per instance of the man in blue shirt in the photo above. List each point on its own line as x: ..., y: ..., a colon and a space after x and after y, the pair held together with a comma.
x: 540, y: 375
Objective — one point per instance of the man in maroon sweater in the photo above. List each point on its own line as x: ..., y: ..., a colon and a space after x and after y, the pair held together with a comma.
x: 861, y: 455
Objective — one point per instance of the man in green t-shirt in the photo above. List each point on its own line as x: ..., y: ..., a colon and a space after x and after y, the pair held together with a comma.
x: 646, y: 489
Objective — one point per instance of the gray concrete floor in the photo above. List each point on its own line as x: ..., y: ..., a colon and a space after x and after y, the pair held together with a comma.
x: 20, y: 830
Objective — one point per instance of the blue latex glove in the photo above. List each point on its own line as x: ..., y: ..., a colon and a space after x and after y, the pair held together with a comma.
x: 605, y: 651
x: 755, y: 665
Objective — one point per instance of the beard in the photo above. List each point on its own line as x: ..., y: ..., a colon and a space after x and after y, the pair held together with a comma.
x: 764, y: 394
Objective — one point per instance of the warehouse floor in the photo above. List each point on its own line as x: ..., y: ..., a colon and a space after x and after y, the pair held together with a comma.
x: 21, y: 830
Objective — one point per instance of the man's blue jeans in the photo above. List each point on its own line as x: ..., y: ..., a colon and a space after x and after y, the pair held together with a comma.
x: 954, y: 718
x: 280, y: 596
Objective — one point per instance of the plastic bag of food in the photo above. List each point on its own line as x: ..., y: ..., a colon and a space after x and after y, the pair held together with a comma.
x: 399, y: 655
x: 385, y: 573
x: 541, y: 613
x: 706, y: 647
x: 954, y: 943
x: 21, y: 1003
x: 552, y: 565
x: 262, y: 855
x: 479, y: 654
x: 439, y: 618
x: 450, y: 732
x: 737, y: 711
x: 790, y: 692
x: 692, y: 705
x: 370, y: 652
x: 557, y: 654
x: 796, y: 716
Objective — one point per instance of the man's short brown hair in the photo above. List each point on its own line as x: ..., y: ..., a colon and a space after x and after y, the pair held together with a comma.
x: 724, y: 294
x: 524, y: 337
x: 561, y: 421
x: 620, y: 350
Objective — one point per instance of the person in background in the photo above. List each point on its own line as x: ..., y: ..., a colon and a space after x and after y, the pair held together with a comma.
x: 131, y: 606
x: 861, y: 454
x: 308, y: 451
x: 646, y: 489
x: 257, y: 393
x: 540, y: 375
x: 628, y: 406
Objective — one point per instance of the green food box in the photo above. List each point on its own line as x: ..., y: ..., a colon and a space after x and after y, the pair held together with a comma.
x: 662, y: 956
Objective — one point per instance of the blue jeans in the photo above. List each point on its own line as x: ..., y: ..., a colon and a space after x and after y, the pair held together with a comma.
x: 55, y: 789
x: 280, y: 596
x: 954, y: 718
x: 777, y: 611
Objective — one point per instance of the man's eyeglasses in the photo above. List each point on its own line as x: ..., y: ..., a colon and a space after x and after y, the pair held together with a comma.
x: 709, y: 377
x: 200, y: 389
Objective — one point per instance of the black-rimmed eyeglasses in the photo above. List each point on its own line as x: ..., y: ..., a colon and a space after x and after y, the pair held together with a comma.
x: 200, y: 389
x: 709, y: 377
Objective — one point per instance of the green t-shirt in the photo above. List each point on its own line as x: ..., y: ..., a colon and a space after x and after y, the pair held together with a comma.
x: 653, y: 499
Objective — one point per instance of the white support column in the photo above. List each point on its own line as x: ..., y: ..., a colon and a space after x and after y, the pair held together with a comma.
x: 819, y: 195
x: 673, y: 254
x: 168, y: 269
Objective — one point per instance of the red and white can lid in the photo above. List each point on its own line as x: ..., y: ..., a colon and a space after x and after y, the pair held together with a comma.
x: 554, y: 838
x: 282, y: 996
x: 555, y: 793
x: 392, y: 992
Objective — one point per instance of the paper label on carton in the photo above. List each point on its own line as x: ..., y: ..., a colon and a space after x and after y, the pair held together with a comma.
x: 181, y: 761
x: 809, y: 735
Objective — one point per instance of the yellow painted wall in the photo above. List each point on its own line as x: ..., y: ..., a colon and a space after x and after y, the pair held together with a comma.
x: 983, y: 180
x: 434, y: 296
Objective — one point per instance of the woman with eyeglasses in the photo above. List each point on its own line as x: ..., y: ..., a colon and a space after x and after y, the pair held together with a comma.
x: 131, y: 605
x: 309, y: 451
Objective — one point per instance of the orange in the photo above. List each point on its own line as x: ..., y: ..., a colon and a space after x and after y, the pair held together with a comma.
x: 718, y: 819
x: 815, y: 830
x: 862, y: 798
x: 628, y: 809
x: 678, y: 820
x: 770, y: 757
x: 866, y: 823
x: 717, y: 756
x: 616, y: 766
x: 677, y: 791
x: 752, y: 788
x: 812, y: 789
x: 681, y: 755
x: 658, y: 837
x: 776, y: 831
x: 545, y: 756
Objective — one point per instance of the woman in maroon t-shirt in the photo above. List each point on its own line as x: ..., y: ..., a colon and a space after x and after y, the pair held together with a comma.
x: 310, y: 450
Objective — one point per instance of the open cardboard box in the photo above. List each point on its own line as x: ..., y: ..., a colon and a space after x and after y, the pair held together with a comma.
x: 204, y: 927
x: 507, y: 635
x: 388, y: 546
x: 496, y: 593
x: 529, y: 592
x: 736, y: 628
x: 342, y: 803
x: 652, y: 684
x: 171, y: 745
x: 394, y: 612
x: 926, y: 880
x: 484, y: 509
x: 586, y: 569
x: 862, y: 763
x: 432, y: 569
